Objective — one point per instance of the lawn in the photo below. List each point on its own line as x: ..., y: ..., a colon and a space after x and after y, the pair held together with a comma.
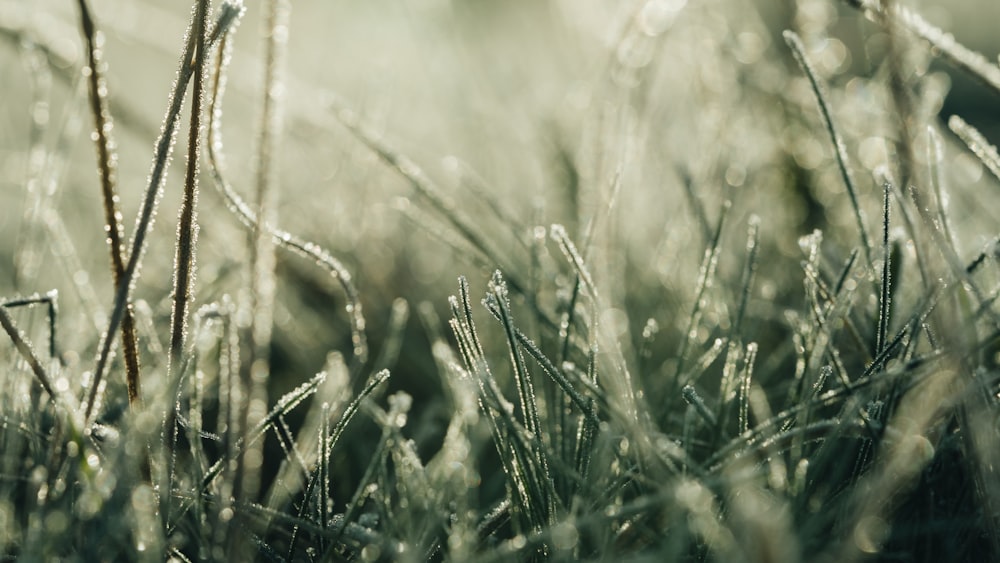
x: 452, y: 280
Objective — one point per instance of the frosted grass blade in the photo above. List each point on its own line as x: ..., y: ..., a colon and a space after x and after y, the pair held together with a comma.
x: 944, y: 44
x: 706, y: 276
x: 977, y: 143
x: 248, y: 217
x: 151, y: 197
x: 840, y: 149
x: 107, y: 170
x: 187, y: 228
x: 28, y: 353
x: 886, y: 292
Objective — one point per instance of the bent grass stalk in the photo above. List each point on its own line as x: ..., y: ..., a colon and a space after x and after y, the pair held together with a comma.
x: 51, y: 302
x: 249, y: 218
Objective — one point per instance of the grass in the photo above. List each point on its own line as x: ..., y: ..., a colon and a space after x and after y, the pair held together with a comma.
x: 645, y: 317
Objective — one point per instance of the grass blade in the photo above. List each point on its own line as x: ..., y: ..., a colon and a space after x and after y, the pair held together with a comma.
x: 706, y: 276
x: 51, y: 301
x: 885, y: 296
x: 151, y: 197
x: 26, y: 352
x: 106, y: 166
x: 944, y: 44
x: 840, y: 149
x: 585, y: 404
x: 977, y: 143
x: 249, y: 217
x: 187, y: 228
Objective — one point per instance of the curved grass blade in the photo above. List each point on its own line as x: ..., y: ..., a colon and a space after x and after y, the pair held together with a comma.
x: 249, y: 218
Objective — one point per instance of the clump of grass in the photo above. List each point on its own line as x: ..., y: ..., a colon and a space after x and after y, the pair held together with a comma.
x: 727, y: 396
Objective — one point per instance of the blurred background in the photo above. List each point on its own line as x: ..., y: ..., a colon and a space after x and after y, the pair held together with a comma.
x: 548, y: 111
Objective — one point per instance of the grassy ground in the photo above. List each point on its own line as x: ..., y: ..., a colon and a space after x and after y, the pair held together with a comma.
x: 435, y: 280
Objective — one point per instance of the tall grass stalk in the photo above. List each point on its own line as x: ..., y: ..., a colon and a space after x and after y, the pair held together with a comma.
x: 151, y: 197
x: 885, y: 297
x: 106, y: 167
x: 256, y: 318
x: 187, y: 228
x: 185, y: 248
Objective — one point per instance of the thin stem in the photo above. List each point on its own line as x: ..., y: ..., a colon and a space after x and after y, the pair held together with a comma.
x: 799, y: 51
x: 144, y: 222
x: 255, y: 369
x: 50, y: 299
x: 107, y: 170
x: 944, y: 44
x: 886, y: 293
x: 186, y: 241
x: 187, y: 230
x: 27, y: 353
